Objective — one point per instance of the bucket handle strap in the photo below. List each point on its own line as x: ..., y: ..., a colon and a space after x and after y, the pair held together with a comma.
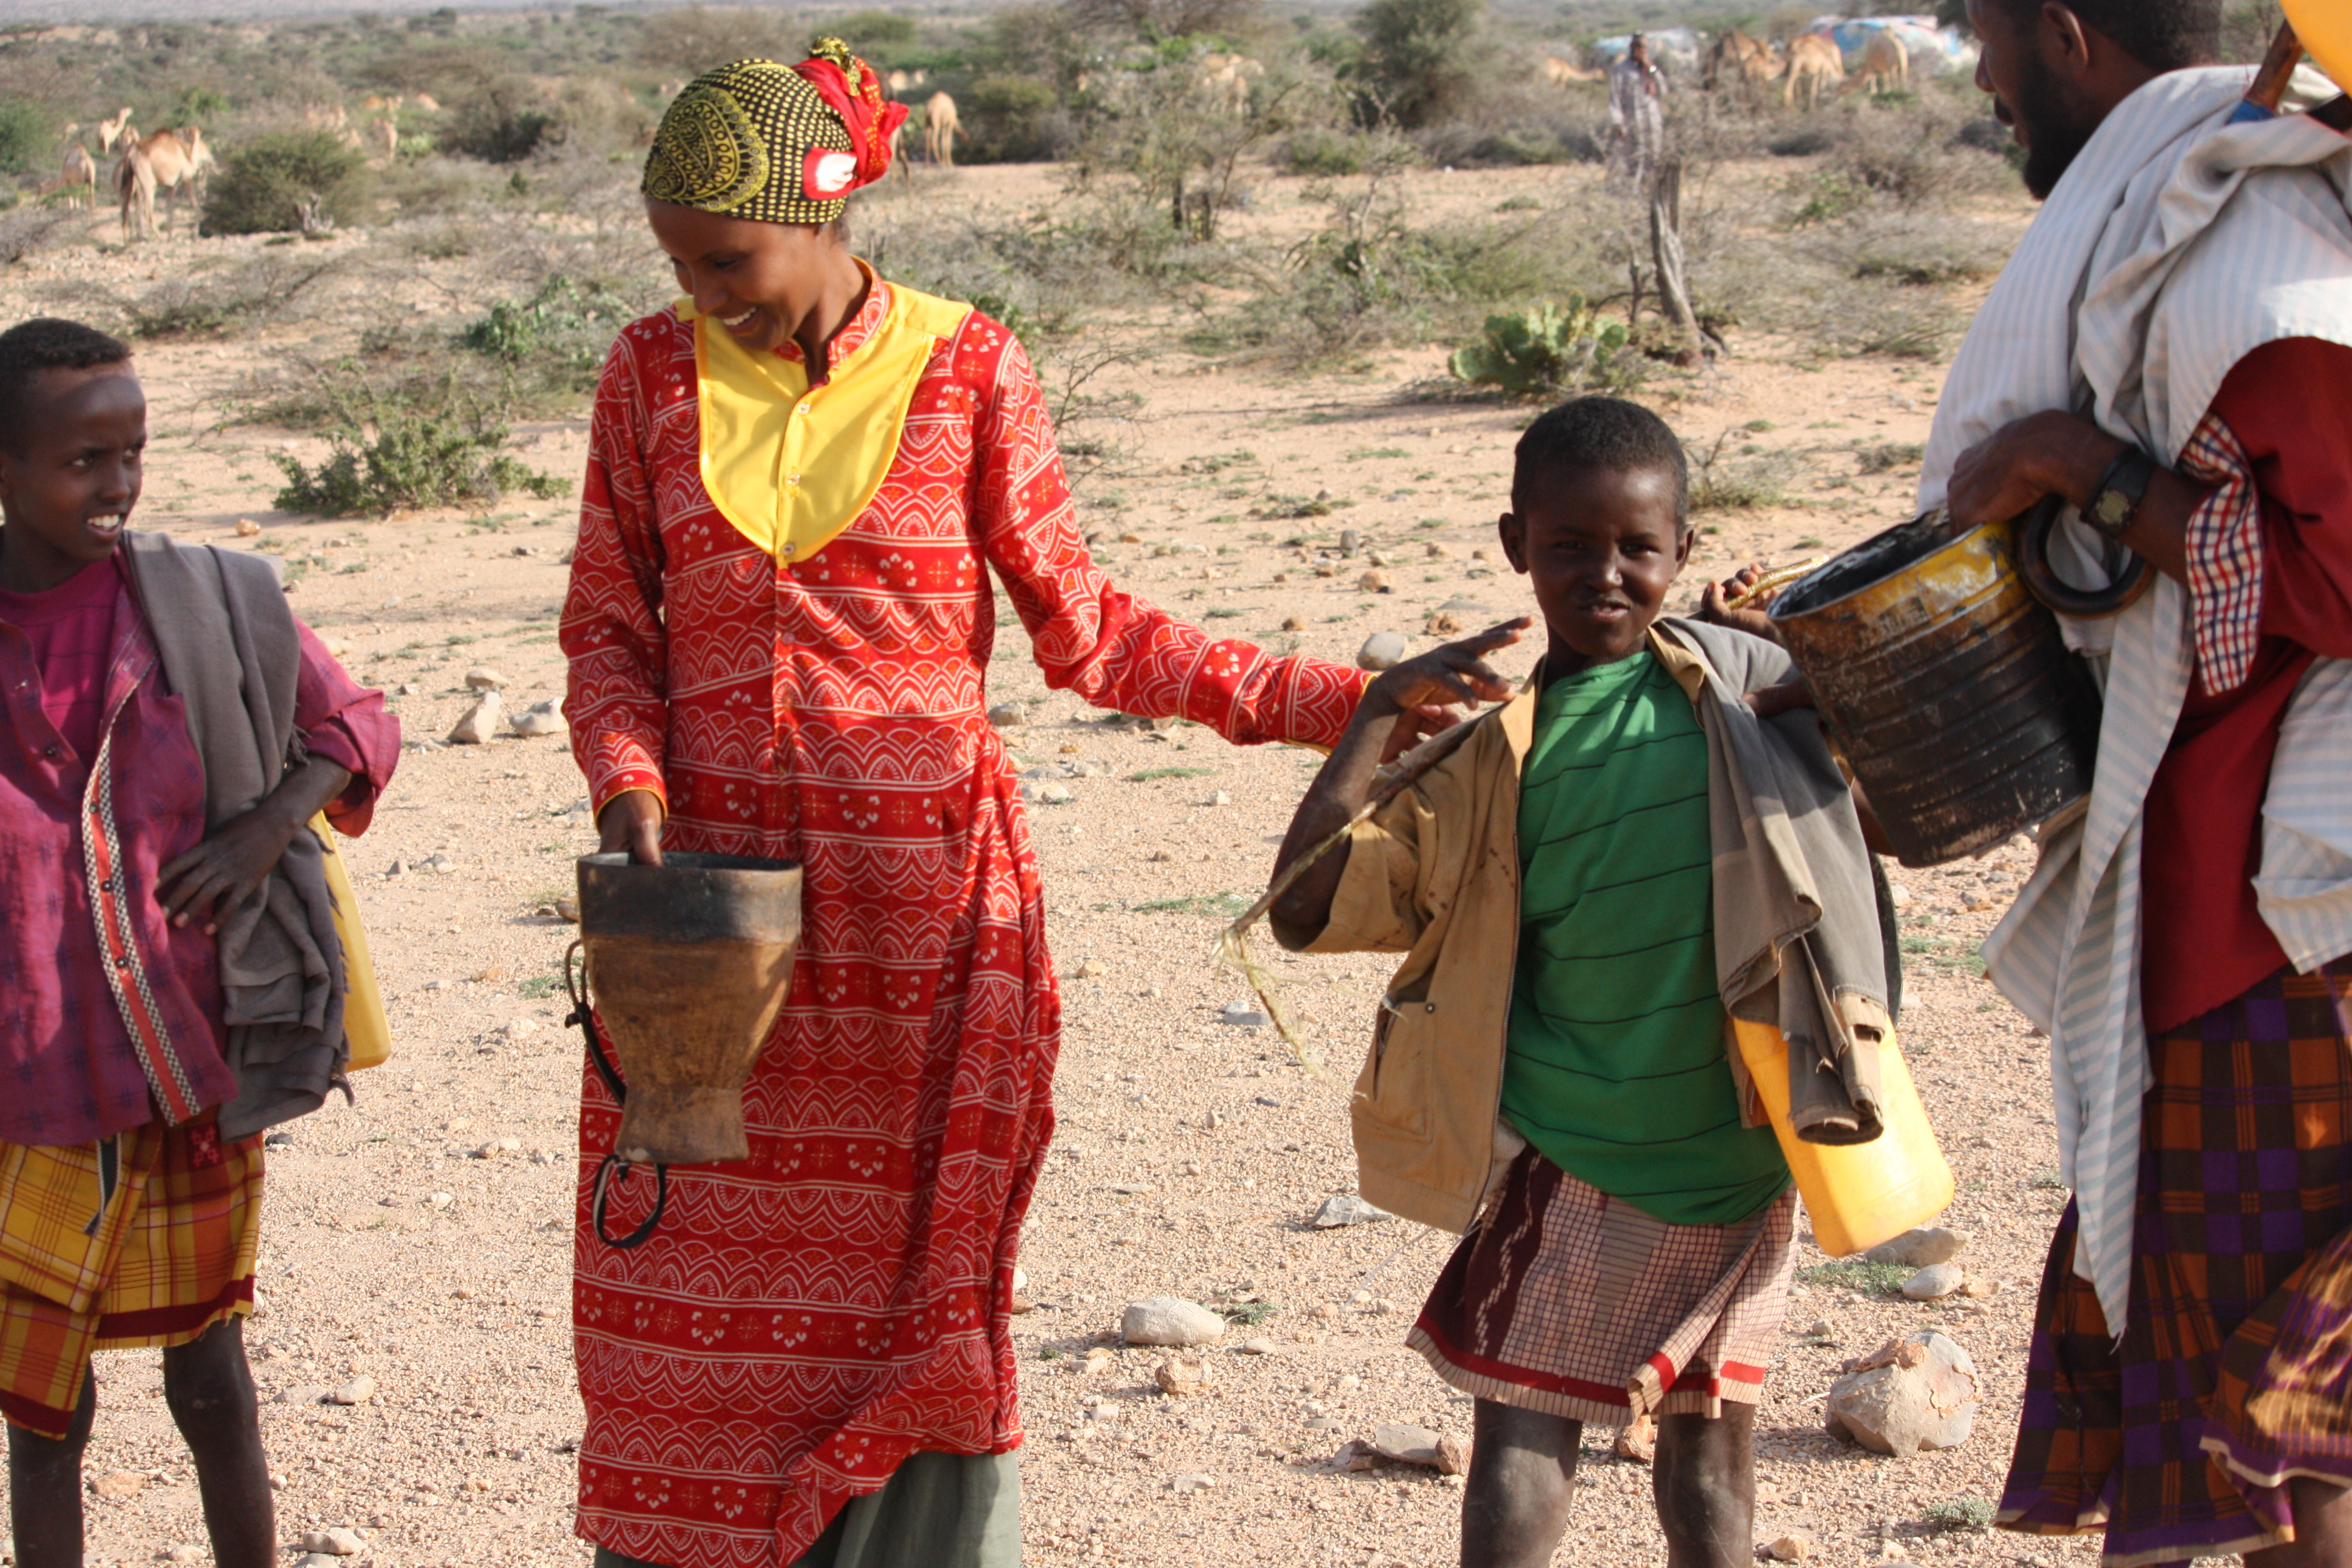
x: 575, y: 981
x: 2041, y: 579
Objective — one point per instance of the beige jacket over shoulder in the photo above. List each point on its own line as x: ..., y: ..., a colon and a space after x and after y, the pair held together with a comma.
x: 1435, y: 874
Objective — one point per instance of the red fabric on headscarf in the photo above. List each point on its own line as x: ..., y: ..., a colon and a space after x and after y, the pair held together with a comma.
x: 871, y: 119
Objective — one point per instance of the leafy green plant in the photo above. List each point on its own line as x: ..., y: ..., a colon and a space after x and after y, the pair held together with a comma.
x: 1543, y: 352
x: 568, y: 323
x: 1970, y: 1513
x: 1858, y: 1274
x: 280, y: 181
x: 385, y: 459
x: 27, y: 133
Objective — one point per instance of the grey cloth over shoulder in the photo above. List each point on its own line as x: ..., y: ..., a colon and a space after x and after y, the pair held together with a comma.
x: 281, y: 962
x: 1803, y: 931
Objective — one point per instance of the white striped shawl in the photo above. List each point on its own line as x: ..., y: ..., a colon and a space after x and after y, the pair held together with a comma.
x: 2176, y: 244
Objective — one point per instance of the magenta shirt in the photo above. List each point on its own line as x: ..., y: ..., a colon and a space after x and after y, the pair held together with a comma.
x: 67, y: 1074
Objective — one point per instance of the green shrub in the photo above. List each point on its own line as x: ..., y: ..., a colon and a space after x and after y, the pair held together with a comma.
x: 502, y: 122
x: 264, y: 182
x: 1544, y: 352
x: 1326, y: 153
x: 875, y: 34
x: 565, y: 325
x: 1418, y: 56
x: 1007, y: 119
x: 26, y: 134
x: 385, y: 457
x: 1960, y: 1513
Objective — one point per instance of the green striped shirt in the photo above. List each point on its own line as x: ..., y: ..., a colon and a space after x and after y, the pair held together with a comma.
x: 1616, y: 1071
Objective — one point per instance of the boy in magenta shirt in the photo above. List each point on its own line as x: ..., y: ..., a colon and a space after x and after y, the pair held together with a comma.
x: 129, y: 1145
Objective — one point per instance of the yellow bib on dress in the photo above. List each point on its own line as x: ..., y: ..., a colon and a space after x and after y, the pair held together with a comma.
x: 791, y: 466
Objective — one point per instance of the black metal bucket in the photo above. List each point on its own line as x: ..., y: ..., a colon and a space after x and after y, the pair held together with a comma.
x: 1946, y: 684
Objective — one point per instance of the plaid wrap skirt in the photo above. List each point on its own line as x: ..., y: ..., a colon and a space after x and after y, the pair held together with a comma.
x: 1567, y: 1300
x: 146, y: 1239
x: 2235, y: 1370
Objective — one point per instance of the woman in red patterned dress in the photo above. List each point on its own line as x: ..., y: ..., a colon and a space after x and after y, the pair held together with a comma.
x: 779, y: 627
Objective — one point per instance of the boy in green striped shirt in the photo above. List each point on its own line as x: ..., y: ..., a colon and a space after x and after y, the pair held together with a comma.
x: 1550, y: 1073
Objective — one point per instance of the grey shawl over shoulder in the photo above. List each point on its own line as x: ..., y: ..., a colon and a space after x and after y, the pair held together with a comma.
x: 1803, y: 936
x: 230, y: 653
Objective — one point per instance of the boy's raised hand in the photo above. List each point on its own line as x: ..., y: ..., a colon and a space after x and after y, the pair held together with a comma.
x: 1426, y: 693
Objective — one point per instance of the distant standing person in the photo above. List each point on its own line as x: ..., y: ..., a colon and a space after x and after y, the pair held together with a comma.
x: 800, y: 479
x: 1637, y: 118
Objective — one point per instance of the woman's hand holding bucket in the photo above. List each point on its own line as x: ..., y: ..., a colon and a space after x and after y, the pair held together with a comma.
x: 631, y: 823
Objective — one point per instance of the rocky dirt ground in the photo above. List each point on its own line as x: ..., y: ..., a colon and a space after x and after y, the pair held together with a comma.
x: 421, y: 1239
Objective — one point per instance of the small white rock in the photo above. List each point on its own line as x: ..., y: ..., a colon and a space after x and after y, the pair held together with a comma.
x: 481, y: 678
x: 1919, y: 1247
x: 1004, y: 715
x: 540, y: 719
x: 480, y: 721
x: 358, y: 1391
x: 338, y: 1542
x: 1221, y: 798
x: 1347, y: 1208
x: 1170, y: 1320
x: 1934, y: 1282
x: 1382, y: 650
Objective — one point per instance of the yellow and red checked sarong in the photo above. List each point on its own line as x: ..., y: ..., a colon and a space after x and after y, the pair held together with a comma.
x: 146, y: 1239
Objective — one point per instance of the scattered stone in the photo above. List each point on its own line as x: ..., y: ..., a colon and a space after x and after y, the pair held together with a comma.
x: 1797, y: 1546
x: 397, y: 868
x: 1920, y: 1247
x: 406, y: 688
x: 1350, y: 541
x: 1934, y: 1282
x: 1980, y: 1287
x: 1004, y: 715
x: 1221, y: 798
x: 1374, y: 581
x: 434, y: 863
x: 1181, y: 1375
x: 1243, y: 1016
x: 1382, y: 650
x: 1194, y: 1483
x: 1257, y: 1347
x: 540, y: 719
x: 1169, y: 1321
x: 1052, y: 795
x: 338, y: 1542
x: 568, y: 909
x: 1347, y: 1208
x: 279, y: 1140
x: 115, y: 1486
x: 1453, y: 1454
x: 1090, y: 970
x: 1898, y: 895
x: 358, y: 1391
x: 1482, y: 555
x: 1294, y: 624
x: 517, y: 1027
x: 1920, y: 1392
x: 481, y: 678
x: 1409, y: 1445
x: 318, y: 1560
x: 1323, y: 1309
x: 1637, y: 1440
x: 481, y: 722
x: 1435, y: 550
x: 246, y: 528
x: 182, y: 1553
x: 304, y: 1394
x: 1822, y: 1329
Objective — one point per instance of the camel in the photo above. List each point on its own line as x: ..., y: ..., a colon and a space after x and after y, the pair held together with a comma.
x: 110, y: 129
x: 177, y: 162
x: 388, y: 133
x: 1886, y: 63
x: 134, y: 183
x: 1813, y: 59
x: 1750, y: 62
x: 901, y: 83
x: 898, y: 153
x: 1226, y: 79
x: 939, y: 128
x: 1561, y: 72
x: 78, y: 178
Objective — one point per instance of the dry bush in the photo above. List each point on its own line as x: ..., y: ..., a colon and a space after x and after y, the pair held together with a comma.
x: 683, y: 44
x: 277, y: 284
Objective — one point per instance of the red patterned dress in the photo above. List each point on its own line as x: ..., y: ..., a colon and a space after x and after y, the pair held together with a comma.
x: 804, y: 1319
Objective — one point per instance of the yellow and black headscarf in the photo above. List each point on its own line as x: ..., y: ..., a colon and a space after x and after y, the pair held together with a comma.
x: 775, y: 143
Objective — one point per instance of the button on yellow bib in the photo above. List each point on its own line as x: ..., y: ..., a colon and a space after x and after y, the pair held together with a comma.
x: 791, y: 466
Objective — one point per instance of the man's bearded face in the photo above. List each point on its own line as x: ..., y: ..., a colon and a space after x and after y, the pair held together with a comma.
x: 2028, y: 95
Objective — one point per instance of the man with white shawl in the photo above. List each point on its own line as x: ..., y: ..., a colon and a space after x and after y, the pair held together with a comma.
x: 2168, y: 351
x: 1637, y: 120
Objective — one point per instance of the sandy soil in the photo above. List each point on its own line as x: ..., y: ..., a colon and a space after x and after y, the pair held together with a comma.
x: 391, y: 1249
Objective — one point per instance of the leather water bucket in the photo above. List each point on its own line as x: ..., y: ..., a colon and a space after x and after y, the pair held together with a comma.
x: 691, y: 961
x: 1946, y: 681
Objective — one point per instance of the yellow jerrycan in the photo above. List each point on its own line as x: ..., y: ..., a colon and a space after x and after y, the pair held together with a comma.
x: 1858, y: 1194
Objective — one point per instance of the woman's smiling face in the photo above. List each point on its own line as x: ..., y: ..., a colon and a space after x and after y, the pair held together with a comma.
x: 759, y: 280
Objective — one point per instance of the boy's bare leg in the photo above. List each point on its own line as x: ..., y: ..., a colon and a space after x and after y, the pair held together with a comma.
x: 209, y: 1389
x: 1705, y: 1484
x: 1522, y: 1479
x: 45, y: 1489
